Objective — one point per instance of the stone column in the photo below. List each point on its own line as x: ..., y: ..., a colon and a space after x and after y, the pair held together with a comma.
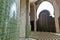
x: 33, y: 14
x: 22, y: 18
x: 28, y: 27
x: 57, y: 25
x: 35, y: 17
x: 56, y: 18
x: 56, y: 10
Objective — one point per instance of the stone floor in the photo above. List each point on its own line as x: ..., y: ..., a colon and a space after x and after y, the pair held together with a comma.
x: 45, y: 36
x: 27, y: 39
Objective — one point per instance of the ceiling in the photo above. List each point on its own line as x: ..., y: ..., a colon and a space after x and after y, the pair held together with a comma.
x: 32, y: 1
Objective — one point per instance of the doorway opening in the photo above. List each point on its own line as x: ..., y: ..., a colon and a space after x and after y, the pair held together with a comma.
x: 45, y: 22
x: 45, y: 17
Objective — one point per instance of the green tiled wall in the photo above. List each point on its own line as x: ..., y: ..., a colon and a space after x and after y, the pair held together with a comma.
x: 8, y: 25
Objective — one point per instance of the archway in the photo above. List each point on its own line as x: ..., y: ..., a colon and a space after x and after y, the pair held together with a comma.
x: 46, y: 5
x: 45, y: 19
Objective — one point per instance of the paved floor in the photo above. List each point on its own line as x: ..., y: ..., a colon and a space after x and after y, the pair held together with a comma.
x: 45, y: 36
x: 27, y: 39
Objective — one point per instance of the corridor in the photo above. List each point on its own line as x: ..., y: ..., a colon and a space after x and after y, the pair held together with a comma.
x: 42, y: 25
x: 29, y: 19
